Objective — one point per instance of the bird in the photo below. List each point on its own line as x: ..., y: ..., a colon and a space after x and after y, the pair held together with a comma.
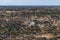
x: 31, y: 23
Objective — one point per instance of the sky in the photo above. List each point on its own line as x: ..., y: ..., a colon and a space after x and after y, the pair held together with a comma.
x: 29, y: 2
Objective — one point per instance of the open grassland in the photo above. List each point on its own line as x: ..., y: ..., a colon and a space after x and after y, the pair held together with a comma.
x: 30, y: 24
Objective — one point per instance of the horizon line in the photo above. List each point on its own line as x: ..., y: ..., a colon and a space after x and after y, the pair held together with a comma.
x: 28, y: 6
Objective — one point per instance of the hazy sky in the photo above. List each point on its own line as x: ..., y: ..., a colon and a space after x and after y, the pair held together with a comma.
x: 29, y: 2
